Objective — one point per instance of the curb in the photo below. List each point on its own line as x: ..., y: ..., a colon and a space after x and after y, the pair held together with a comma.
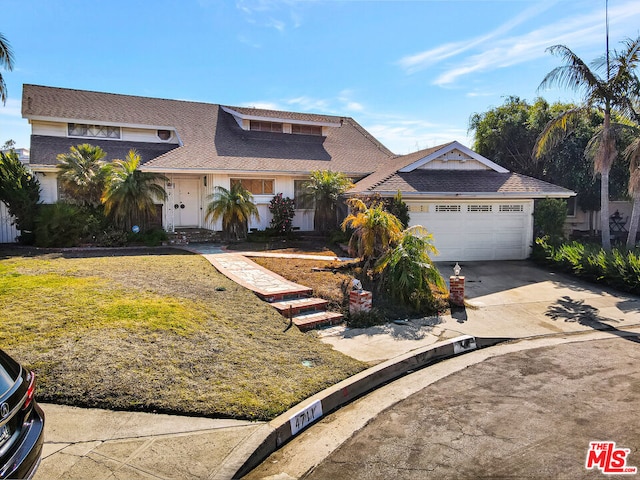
x: 269, y: 438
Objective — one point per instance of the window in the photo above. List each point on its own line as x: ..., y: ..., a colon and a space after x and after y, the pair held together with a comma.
x: 164, y: 134
x: 98, y: 131
x: 511, y: 208
x: 571, y: 206
x: 423, y: 207
x: 478, y: 208
x: 261, y: 126
x: 256, y: 186
x: 306, y: 129
x: 447, y: 208
x: 303, y: 200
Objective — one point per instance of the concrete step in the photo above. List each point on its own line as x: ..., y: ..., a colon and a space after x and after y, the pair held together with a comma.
x: 298, y: 306
x: 309, y: 321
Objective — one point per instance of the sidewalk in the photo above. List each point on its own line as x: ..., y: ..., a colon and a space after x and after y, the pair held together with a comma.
x: 510, y: 299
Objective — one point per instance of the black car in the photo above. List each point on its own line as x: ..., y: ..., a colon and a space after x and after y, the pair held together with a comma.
x: 21, y: 421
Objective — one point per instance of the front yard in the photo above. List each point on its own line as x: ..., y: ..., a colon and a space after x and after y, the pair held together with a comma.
x: 155, y: 330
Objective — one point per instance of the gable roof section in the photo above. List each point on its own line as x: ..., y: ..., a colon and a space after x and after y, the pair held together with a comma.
x: 405, y: 175
x: 211, y: 139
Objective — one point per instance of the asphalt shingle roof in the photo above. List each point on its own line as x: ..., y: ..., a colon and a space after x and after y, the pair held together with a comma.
x: 212, y: 139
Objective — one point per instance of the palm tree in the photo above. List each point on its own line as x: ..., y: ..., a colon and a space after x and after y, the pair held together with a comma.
x: 632, y: 152
x: 236, y: 208
x: 326, y: 187
x: 82, y: 174
x: 130, y: 195
x: 409, y: 272
x: 375, y: 229
x: 608, y: 95
x: 6, y: 61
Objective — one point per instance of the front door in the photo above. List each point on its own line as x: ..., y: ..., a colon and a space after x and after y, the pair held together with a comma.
x: 186, y: 203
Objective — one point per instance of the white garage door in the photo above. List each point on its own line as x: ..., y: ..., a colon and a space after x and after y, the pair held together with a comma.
x: 477, y: 231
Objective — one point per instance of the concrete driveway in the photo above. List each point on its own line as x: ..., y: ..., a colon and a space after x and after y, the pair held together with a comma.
x: 513, y: 299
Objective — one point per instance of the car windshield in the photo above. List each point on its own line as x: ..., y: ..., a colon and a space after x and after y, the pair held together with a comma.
x: 9, y: 371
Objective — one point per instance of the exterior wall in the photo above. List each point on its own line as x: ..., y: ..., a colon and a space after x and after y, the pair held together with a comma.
x: 581, y: 221
x: 59, y: 129
x: 48, y: 187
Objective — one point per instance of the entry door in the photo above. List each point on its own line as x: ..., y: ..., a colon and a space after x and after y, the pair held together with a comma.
x: 187, y: 204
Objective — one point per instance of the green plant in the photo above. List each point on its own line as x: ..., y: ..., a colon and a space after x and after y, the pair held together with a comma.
x: 130, y: 195
x: 282, y: 210
x: 235, y: 206
x: 374, y: 229
x: 549, y: 217
x: 398, y: 208
x: 59, y: 225
x: 20, y: 191
x: 82, y: 174
x: 365, y: 319
x: 326, y: 186
x: 408, y: 273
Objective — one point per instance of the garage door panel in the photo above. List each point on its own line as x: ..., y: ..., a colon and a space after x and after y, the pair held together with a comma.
x: 477, y: 232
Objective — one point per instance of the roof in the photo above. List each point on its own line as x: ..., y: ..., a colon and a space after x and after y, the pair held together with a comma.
x: 211, y: 138
x: 405, y: 175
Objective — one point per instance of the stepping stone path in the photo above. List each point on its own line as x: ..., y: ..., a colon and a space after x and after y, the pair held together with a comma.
x: 292, y: 300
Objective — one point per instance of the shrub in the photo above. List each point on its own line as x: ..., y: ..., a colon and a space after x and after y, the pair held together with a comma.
x: 60, y: 225
x: 549, y: 217
x: 282, y: 210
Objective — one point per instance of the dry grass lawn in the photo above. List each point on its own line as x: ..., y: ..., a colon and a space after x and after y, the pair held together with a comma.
x: 155, y: 330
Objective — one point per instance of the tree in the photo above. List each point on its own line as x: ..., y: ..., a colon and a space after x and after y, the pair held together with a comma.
x: 633, y: 154
x: 9, y: 144
x: 6, y: 61
x: 604, y: 94
x: 130, y: 195
x: 326, y: 187
x: 82, y: 174
x: 408, y: 271
x: 235, y: 206
x: 20, y: 191
x: 375, y: 229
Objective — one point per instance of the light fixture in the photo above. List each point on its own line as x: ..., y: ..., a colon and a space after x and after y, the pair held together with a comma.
x: 456, y: 270
x: 205, y: 180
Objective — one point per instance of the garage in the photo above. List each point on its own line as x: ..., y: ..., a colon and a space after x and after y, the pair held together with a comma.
x: 475, y: 209
x: 466, y: 231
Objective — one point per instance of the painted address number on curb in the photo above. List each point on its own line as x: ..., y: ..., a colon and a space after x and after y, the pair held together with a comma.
x: 306, y: 417
x: 464, y: 344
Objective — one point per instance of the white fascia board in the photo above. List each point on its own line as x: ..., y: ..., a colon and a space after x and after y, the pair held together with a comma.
x: 474, y: 195
x: 452, y: 146
x: 38, y: 168
x: 244, y: 173
x: 280, y: 120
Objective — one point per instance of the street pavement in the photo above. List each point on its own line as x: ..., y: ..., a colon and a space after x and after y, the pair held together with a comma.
x: 505, y: 299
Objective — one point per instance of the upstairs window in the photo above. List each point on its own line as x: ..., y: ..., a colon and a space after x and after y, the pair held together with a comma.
x: 260, y: 126
x: 255, y: 186
x: 306, y: 129
x: 97, y: 131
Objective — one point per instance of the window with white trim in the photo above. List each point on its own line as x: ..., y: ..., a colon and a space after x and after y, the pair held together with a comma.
x: 447, y: 208
x: 301, y: 197
x: 479, y: 208
x: 97, y: 131
x: 511, y: 208
x: 255, y: 186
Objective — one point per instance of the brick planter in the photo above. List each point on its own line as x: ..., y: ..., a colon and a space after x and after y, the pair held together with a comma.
x: 456, y: 290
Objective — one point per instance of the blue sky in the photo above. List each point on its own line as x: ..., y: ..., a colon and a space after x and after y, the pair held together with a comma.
x: 410, y: 72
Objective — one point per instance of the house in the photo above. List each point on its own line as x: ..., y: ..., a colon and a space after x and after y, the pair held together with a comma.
x: 475, y: 208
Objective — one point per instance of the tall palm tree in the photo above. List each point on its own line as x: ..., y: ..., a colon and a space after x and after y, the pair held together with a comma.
x: 375, y: 229
x: 6, y: 61
x: 235, y: 206
x: 82, y: 174
x: 632, y: 152
x: 130, y: 195
x: 607, y: 94
x: 326, y: 186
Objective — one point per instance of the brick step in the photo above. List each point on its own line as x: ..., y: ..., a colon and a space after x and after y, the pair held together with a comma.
x: 297, y: 306
x: 310, y: 321
x: 293, y: 294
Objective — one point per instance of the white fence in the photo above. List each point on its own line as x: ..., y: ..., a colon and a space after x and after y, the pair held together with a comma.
x: 8, y: 231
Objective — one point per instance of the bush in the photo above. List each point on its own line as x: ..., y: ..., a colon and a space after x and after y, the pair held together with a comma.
x: 619, y: 269
x: 60, y: 225
x: 283, y: 210
x: 549, y: 217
